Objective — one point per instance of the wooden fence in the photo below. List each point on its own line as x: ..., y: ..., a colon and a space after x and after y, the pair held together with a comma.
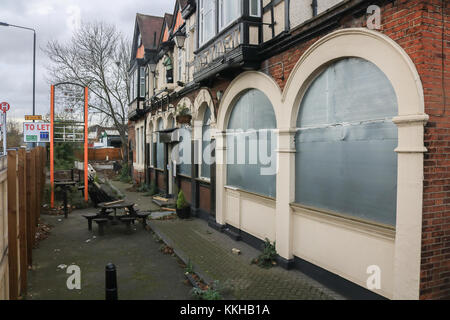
x: 22, y: 182
x: 4, y: 284
x: 102, y: 154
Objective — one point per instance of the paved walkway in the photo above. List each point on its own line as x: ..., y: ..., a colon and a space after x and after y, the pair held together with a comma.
x: 143, y: 271
x: 211, y: 254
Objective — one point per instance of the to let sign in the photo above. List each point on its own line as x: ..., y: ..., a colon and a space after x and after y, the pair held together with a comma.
x: 36, y: 132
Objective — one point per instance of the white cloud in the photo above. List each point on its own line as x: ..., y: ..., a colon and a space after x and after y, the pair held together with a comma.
x: 73, y: 17
x: 41, y: 8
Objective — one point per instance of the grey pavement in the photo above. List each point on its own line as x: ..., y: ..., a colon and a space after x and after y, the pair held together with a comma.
x: 210, y: 252
x: 143, y: 271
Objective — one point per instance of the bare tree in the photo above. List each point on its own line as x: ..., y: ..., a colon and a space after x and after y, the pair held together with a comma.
x: 97, y: 57
x: 14, y: 136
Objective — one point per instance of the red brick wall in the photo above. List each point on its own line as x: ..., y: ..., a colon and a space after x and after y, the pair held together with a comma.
x: 435, y: 273
x: 417, y: 26
x: 138, y: 177
x: 161, y: 180
x: 205, y: 199
x: 186, y: 186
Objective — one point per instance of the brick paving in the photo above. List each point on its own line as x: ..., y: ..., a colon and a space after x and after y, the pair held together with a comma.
x: 210, y: 252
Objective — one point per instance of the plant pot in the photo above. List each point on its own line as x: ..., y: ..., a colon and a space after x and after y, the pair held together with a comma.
x: 184, y: 213
x: 184, y: 119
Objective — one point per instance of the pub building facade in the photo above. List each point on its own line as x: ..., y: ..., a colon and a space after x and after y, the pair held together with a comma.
x: 346, y: 103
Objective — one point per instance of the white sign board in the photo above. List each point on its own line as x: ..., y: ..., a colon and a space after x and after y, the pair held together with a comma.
x: 36, y: 132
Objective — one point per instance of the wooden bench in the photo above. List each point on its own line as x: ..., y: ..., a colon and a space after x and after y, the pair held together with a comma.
x: 128, y: 220
x: 90, y: 217
x: 143, y: 215
x: 101, y: 222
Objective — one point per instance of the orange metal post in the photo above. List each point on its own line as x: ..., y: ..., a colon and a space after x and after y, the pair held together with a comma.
x: 86, y: 150
x: 52, y: 168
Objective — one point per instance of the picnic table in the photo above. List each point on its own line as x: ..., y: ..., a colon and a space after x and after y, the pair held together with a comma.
x: 65, y: 186
x: 121, y: 204
x: 107, y: 208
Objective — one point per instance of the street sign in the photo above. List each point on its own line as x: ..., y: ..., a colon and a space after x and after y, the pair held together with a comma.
x: 36, y: 132
x: 4, y: 106
x: 33, y: 118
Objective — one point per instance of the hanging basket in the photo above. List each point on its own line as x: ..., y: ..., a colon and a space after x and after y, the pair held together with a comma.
x: 184, y: 119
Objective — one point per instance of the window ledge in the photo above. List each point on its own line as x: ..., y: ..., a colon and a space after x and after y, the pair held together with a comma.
x: 204, y: 180
x: 249, y: 193
x: 356, y: 224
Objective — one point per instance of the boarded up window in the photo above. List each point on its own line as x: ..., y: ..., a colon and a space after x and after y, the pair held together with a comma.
x: 345, y: 143
x: 251, y: 145
x: 160, y: 148
x: 185, y: 151
x: 206, y: 141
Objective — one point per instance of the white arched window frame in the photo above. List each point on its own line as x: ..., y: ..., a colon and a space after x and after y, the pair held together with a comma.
x: 401, y: 262
x: 402, y: 265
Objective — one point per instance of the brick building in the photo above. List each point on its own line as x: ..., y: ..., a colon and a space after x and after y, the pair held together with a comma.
x: 347, y: 100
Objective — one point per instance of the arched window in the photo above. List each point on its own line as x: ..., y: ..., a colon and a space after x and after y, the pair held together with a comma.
x: 170, y: 122
x: 185, y: 151
x: 251, y: 144
x: 150, y: 144
x: 345, y: 143
x: 160, y: 147
x: 206, y: 141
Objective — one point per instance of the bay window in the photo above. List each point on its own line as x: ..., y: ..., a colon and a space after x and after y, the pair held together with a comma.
x: 142, y: 82
x: 229, y: 10
x: 207, y: 20
x: 135, y: 84
x: 255, y: 8
x: 133, y: 88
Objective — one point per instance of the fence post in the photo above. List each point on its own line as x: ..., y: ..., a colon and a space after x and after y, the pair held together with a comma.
x: 12, y: 227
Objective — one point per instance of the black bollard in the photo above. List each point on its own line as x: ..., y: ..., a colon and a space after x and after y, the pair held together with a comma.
x: 111, y: 282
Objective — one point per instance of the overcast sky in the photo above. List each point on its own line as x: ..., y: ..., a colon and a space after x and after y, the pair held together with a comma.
x: 53, y: 19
